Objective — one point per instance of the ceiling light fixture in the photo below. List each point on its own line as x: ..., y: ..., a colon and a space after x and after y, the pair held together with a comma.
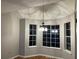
x: 43, y: 27
x: 54, y: 31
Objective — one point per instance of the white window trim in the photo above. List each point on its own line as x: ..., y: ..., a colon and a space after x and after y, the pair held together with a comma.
x: 69, y: 52
x: 32, y: 46
x: 51, y: 47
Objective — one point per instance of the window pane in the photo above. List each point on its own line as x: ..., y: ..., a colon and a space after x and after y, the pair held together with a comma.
x: 57, y: 36
x: 67, y: 36
x: 68, y: 39
x: 52, y: 27
x: 33, y: 32
x: 33, y: 43
x: 48, y: 26
x: 57, y: 40
x: 53, y: 40
x: 53, y: 35
x: 30, y: 26
x: 44, y: 35
x: 67, y: 32
x: 48, y: 31
x: 68, y: 25
x: 57, y: 45
x: 44, y: 32
x: 34, y: 27
x: 53, y: 45
x: 48, y: 35
x: 68, y: 47
x: 48, y: 39
x: 33, y: 37
x: 44, y: 43
x: 48, y: 44
x: 30, y: 43
x: 57, y: 26
x: 44, y: 39
x: 30, y: 37
x: 30, y: 32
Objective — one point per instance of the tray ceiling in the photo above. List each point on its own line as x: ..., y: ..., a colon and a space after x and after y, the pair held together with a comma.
x: 54, y: 8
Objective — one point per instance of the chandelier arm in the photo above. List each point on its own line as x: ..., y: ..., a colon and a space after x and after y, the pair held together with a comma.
x: 43, y: 12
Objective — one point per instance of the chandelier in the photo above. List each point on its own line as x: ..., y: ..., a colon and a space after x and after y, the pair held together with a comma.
x: 42, y: 26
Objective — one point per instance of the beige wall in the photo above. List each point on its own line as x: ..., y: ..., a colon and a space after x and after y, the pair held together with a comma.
x: 9, y: 35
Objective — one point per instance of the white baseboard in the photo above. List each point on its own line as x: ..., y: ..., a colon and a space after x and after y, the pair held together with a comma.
x: 14, y: 56
x: 31, y: 55
x: 37, y: 55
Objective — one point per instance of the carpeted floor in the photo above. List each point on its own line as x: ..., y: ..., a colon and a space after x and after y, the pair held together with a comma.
x: 36, y: 57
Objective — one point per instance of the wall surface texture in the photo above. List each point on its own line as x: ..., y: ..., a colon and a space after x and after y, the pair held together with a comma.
x: 22, y: 37
x: 9, y: 35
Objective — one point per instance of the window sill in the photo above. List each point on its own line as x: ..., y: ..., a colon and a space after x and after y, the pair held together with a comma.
x: 32, y: 46
x: 51, y: 47
x: 68, y: 51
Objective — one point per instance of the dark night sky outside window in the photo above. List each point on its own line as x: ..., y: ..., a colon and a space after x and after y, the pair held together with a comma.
x: 32, y: 36
x: 51, y: 39
x: 68, y: 36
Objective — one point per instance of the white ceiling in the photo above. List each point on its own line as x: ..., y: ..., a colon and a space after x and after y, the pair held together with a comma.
x: 55, y: 8
x: 11, y: 5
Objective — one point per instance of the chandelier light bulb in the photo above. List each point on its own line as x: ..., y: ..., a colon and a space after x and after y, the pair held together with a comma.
x: 56, y: 31
x: 41, y: 29
x: 52, y: 31
x: 45, y: 29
